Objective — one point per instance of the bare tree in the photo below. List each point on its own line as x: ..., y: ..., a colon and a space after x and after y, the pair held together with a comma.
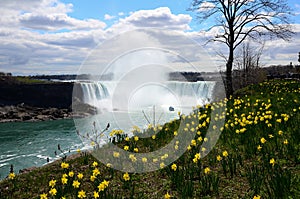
x: 242, y: 19
x: 248, y: 64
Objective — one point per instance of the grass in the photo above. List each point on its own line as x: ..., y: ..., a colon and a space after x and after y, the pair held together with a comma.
x: 256, y: 156
x: 28, y: 80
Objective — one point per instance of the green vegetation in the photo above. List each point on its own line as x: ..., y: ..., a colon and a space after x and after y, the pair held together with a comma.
x: 28, y: 80
x: 256, y: 156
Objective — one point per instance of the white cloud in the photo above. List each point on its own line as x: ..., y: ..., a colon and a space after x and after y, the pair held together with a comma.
x: 158, y: 18
x: 109, y: 17
x: 57, y: 22
x: 121, y: 13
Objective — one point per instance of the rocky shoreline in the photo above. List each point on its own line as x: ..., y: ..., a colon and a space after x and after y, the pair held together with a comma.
x: 21, y: 113
x: 25, y: 113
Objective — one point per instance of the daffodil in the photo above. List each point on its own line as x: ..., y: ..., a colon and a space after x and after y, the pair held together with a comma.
x: 81, y: 194
x: 43, y: 196
x: 259, y: 147
x: 96, y: 194
x: 167, y: 196
x: 53, y: 191
x: 64, y: 180
x: 263, y: 140
x: 76, y: 184
x: 11, y: 176
x: 174, y: 167
x: 52, y: 183
x: 80, y: 176
x: 95, y: 164
x: 225, y: 153
x: 272, y: 161
x: 193, y: 143
x: 64, y: 165
x: 207, y: 170
x: 126, y: 176
x: 71, y: 174
x: 93, y: 178
x: 116, y: 154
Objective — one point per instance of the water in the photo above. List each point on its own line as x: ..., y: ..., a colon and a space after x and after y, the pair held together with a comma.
x: 28, y: 144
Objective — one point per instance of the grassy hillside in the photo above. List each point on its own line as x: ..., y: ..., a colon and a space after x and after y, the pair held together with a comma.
x: 256, y: 156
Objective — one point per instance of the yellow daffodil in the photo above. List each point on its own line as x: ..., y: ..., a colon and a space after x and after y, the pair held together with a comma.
x: 64, y: 165
x: 126, y: 176
x: 167, y: 196
x: 93, y: 178
x: 81, y: 194
x: 53, y: 192
x: 263, y: 140
x: 259, y: 147
x: 43, y: 196
x: 64, y: 180
x: 272, y: 161
x: 116, y: 154
x: 225, y: 153
x: 207, y: 170
x: 76, y: 184
x: 52, y: 183
x: 71, y: 174
x: 80, y: 176
x: 11, y: 176
x: 95, y: 164
x: 96, y: 172
x: 174, y: 167
x: 96, y: 194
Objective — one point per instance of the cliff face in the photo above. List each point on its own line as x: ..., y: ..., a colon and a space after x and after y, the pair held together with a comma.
x: 44, y: 95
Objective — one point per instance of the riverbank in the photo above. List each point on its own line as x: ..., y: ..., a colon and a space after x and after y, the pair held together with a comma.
x: 22, y: 113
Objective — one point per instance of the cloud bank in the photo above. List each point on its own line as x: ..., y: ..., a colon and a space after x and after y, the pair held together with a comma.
x: 40, y: 37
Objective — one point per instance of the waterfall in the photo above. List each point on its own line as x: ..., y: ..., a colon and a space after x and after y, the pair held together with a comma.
x: 96, y: 93
x: 201, y: 89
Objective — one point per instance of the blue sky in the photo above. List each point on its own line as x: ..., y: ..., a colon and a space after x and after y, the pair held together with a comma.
x: 56, y: 36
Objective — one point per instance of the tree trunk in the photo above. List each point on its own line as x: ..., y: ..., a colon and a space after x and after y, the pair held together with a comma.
x: 228, y: 82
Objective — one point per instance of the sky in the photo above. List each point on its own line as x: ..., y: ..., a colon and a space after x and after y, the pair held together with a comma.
x: 58, y: 36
